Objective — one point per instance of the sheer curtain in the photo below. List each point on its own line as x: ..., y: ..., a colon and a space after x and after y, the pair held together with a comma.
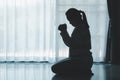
x: 97, y: 16
x: 27, y: 30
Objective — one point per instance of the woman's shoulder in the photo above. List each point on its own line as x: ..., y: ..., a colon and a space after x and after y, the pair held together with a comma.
x: 82, y: 29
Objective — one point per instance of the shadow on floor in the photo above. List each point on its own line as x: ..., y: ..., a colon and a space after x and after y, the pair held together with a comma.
x: 59, y: 77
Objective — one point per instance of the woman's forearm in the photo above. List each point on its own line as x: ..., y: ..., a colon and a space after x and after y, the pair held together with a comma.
x: 66, y: 38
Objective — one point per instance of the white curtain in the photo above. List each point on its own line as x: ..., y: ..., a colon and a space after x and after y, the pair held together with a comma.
x: 28, y: 28
x: 97, y: 16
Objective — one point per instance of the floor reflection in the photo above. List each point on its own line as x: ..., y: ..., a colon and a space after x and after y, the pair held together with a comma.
x: 25, y: 71
x: 58, y: 77
x: 99, y: 71
x: 42, y: 71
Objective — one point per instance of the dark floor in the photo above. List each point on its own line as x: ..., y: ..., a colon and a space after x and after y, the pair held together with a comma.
x: 42, y: 71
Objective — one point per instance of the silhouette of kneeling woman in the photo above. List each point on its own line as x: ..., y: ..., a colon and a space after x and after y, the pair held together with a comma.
x: 80, y: 58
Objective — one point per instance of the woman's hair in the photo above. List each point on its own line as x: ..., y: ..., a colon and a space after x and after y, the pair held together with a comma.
x: 72, y: 12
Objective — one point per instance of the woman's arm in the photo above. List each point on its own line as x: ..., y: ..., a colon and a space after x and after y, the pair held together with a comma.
x: 77, y: 40
x: 66, y: 38
x: 64, y: 34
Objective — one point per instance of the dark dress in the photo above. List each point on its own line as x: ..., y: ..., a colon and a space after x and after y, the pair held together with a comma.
x: 80, y: 58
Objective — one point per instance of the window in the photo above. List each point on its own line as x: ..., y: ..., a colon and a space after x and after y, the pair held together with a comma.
x: 28, y: 28
x: 97, y: 16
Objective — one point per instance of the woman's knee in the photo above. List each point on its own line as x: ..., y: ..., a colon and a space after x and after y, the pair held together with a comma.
x: 53, y: 68
x: 56, y: 68
x: 59, y: 67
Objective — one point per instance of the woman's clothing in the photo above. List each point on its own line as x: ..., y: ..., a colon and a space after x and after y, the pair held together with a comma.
x: 74, y: 66
x: 80, y: 58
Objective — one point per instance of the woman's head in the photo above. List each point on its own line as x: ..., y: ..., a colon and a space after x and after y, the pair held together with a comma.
x: 74, y: 17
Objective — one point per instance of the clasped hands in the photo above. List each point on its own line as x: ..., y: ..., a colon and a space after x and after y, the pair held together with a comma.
x: 62, y: 27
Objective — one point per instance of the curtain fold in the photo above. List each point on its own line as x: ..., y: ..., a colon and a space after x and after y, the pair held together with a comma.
x: 114, y: 15
x: 27, y: 30
x: 109, y: 37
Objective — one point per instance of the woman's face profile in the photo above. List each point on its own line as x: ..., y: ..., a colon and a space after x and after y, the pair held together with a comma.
x: 74, y: 17
x: 74, y: 20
